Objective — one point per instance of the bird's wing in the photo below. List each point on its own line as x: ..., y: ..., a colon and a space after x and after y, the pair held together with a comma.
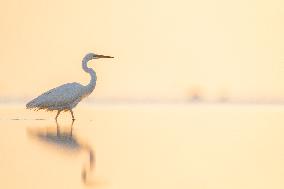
x: 59, y: 96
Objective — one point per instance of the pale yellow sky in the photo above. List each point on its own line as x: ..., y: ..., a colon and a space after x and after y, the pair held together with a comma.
x: 162, y: 48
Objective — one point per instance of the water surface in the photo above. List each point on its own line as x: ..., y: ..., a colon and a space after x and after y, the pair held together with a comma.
x: 143, y: 146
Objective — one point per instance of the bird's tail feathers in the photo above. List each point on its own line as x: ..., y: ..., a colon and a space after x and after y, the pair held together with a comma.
x: 30, y: 105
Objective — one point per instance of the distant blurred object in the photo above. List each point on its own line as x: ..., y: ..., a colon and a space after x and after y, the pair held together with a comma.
x: 223, y: 96
x: 195, y: 94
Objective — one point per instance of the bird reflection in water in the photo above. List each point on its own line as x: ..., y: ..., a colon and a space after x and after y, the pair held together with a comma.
x: 65, y: 140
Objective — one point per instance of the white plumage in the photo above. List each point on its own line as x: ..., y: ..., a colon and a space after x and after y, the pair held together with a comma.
x: 60, y: 98
x: 67, y: 96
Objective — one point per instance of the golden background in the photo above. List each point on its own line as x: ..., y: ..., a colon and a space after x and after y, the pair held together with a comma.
x: 162, y: 49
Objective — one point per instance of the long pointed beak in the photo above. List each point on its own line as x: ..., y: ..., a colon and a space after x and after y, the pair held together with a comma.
x: 103, y: 56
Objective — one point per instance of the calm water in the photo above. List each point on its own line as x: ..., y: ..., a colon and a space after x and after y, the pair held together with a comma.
x: 143, y: 146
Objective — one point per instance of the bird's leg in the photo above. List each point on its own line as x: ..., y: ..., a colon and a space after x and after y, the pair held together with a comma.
x: 72, y: 127
x: 73, y: 118
x: 57, y: 115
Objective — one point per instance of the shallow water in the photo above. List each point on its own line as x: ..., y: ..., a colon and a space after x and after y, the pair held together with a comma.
x: 143, y: 146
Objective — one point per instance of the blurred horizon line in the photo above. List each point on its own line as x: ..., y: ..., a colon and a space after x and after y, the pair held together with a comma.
x: 23, y: 100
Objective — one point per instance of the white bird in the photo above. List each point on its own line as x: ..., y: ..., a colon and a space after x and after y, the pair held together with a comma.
x: 67, y: 96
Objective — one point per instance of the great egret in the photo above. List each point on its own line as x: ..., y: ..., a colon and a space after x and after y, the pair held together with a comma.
x: 67, y: 96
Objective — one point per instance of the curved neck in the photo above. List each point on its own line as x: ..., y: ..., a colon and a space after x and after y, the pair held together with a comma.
x: 92, y: 73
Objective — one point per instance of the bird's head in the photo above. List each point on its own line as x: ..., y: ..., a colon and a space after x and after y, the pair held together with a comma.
x: 91, y: 56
